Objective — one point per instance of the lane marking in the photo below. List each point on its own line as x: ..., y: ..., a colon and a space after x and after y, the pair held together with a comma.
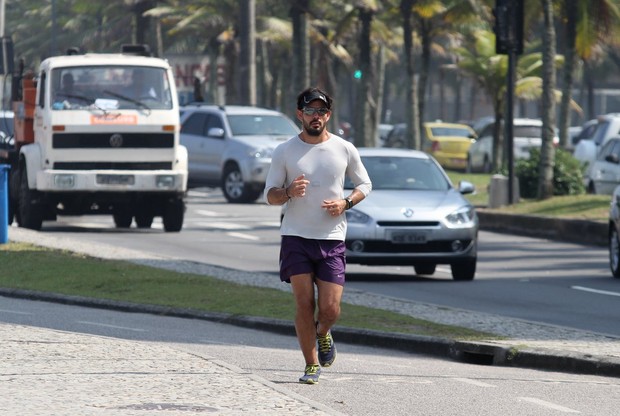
x: 244, y: 236
x: 224, y: 225
x: 15, y: 312
x: 599, y: 292
x: 549, y: 405
x: 208, y: 213
x: 112, y: 326
x: 473, y: 382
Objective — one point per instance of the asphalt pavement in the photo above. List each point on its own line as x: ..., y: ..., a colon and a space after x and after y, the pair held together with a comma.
x: 44, y: 361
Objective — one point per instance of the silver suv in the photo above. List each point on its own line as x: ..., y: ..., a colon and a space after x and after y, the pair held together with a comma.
x: 231, y: 147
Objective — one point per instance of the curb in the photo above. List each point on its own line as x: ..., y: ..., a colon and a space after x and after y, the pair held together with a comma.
x: 482, y: 353
x: 561, y: 229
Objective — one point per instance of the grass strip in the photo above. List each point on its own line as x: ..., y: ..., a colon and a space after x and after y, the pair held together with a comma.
x: 30, y: 267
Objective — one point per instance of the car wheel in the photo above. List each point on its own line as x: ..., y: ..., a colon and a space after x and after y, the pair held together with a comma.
x: 469, y: 168
x: 30, y: 214
x: 614, y: 252
x: 465, y: 270
x: 174, y: 213
x: 233, y: 187
x: 486, y: 165
x: 425, y: 268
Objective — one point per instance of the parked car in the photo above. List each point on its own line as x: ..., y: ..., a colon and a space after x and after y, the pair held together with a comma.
x: 527, y: 134
x: 603, y: 175
x: 606, y: 127
x: 583, y: 132
x: 231, y: 147
x: 414, y: 216
x: 614, y: 233
x: 382, y: 132
x: 446, y: 142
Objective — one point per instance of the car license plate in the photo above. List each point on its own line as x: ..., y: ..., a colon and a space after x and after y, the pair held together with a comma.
x: 409, y: 238
x: 115, y: 179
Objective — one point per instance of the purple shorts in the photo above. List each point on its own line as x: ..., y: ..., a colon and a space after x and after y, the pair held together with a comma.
x: 323, y: 258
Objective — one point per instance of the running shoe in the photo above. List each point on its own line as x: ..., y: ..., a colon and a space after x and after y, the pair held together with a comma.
x: 311, y: 374
x: 327, y: 349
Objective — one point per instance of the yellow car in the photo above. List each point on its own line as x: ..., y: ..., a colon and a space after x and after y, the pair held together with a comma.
x: 448, y: 143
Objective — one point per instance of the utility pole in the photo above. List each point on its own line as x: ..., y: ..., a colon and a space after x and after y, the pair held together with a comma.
x: 508, y: 30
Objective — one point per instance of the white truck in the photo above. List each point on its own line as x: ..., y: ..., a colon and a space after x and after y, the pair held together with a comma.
x: 108, y: 144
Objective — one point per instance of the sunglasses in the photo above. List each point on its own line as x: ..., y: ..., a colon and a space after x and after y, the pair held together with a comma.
x: 310, y: 111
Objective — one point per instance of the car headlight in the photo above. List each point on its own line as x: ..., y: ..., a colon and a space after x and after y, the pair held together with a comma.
x: 357, y: 217
x: 262, y: 153
x: 462, y: 217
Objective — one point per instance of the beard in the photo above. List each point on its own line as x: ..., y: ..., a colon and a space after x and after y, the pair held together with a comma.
x: 312, y: 131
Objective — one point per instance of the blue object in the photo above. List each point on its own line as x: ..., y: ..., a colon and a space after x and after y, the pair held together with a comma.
x: 4, y: 203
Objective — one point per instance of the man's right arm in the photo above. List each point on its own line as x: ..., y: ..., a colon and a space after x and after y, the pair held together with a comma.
x: 277, y: 196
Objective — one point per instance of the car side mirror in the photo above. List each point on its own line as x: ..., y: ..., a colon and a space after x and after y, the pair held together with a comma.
x: 216, y: 132
x: 466, y: 187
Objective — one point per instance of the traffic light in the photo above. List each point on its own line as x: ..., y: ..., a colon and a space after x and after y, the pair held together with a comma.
x: 508, y: 26
x: 357, y: 74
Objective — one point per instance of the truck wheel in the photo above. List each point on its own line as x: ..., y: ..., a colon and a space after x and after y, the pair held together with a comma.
x: 30, y: 214
x: 144, y: 220
x: 234, y: 189
x: 122, y: 216
x: 174, y: 211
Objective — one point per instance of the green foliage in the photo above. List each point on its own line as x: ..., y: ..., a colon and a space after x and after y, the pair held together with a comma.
x: 567, y: 174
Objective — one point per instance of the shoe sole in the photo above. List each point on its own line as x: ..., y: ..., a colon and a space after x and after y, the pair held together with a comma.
x: 308, y: 382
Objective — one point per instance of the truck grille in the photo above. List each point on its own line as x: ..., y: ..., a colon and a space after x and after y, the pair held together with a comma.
x: 113, y: 165
x: 112, y: 140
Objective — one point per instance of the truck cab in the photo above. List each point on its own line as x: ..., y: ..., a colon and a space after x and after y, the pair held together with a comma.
x: 99, y: 134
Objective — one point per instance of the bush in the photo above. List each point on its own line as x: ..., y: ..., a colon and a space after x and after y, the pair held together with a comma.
x: 567, y: 174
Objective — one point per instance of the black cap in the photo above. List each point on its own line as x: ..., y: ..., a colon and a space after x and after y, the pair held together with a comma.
x: 310, y: 95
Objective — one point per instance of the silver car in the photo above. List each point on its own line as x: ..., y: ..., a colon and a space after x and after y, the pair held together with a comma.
x: 231, y: 147
x: 527, y: 134
x: 413, y: 216
x: 603, y: 175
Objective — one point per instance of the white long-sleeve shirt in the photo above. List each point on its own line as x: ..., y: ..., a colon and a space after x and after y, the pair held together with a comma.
x: 325, y: 165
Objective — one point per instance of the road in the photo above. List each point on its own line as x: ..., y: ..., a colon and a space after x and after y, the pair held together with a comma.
x: 519, y: 277
x: 363, y: 380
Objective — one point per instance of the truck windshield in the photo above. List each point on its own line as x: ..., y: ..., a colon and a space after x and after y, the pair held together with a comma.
x: 110, y: 88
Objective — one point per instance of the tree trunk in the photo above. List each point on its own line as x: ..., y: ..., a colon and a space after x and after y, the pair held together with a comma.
x: 547, y: 153
x: 247, y: 55
x: 569, y: 68
x: 411, y: 111
x: 365, y: 114
x: 301, y: 46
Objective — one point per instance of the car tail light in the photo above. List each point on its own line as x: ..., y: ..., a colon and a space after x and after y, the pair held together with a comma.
x: 435, y: 147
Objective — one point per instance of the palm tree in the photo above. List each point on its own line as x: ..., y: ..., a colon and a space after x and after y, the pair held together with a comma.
x: 587, y: 23
x: 489, y: 71
x: 547, y: 153
x: 412, y: 115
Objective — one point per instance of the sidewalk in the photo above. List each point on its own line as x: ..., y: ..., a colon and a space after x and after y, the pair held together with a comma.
x: 45, y: 372
x: 528, y: 344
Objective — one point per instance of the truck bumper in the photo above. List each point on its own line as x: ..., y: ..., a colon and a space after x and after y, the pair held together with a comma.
x: 111, y: 181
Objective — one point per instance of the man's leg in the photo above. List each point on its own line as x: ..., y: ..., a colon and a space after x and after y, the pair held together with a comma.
x: 329, y: 296
x: 303, y: 291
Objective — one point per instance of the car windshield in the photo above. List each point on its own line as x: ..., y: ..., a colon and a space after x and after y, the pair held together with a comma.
x: 6, y: 125
x: 110, y: 88
x: 260, y: 125
x: 403, y: 173
x: 450, y: 131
